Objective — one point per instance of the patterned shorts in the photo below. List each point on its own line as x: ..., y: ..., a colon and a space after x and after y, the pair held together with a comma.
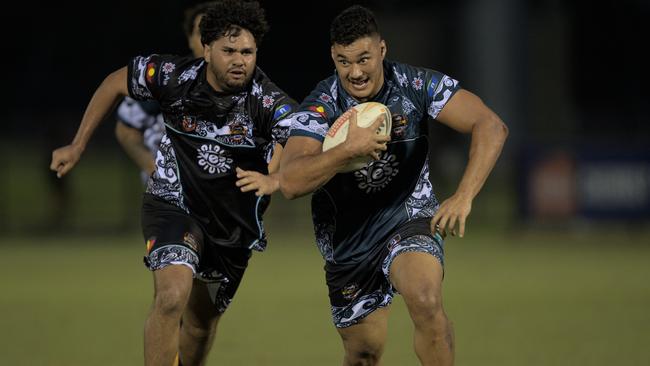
x: 358, y: 289
x: 174, y: 237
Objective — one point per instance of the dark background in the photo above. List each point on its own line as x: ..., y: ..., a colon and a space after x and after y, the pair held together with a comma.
x: 562, y: 75
x: 543, y: 57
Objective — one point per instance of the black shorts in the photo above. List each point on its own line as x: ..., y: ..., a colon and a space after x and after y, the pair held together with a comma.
x: 358, y: 289
x: 173, y: 236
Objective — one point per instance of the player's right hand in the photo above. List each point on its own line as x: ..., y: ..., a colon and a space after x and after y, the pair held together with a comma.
x: 452, y: 211
x: 365, y: 141
x: 262, y: 184
x: 64, y: 159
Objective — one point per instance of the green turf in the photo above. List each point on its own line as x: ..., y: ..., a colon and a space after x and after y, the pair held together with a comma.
x: 515, y: 299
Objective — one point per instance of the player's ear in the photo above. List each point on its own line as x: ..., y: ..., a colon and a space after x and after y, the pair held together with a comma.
x: 382, y: 48
x: 332, y: 53
x: 206, y: 52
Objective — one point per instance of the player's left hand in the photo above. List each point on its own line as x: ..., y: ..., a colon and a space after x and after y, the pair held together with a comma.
x: 453, y: 211
x: 249, y: 180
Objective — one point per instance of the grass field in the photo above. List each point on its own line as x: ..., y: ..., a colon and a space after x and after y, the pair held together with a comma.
x: 515, y: 299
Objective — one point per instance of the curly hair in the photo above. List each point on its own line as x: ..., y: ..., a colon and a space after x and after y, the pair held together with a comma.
x: 353, y: 23
x: 229, y: 17
x: 191, y: 13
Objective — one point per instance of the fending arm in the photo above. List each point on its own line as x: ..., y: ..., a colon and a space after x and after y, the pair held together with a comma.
x: 105, y: 98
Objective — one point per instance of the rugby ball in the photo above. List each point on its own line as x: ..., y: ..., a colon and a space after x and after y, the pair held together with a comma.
x: 367, y: 113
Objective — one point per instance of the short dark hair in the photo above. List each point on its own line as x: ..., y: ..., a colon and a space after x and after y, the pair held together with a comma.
x: 192, y: 13
x: 229, y: 17
x: 353, y: 23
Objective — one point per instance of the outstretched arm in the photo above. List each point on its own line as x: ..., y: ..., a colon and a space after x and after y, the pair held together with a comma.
x: 112, y: 89
x: 466, y: 113
x: 304, y: 167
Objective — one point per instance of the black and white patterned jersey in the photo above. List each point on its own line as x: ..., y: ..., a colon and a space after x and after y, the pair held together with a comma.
x: 354, y: 212
x: 207, y: 135
x: 144, y: 116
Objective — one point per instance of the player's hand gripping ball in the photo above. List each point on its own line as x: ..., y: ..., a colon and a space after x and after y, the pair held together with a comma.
x: 367, y: 113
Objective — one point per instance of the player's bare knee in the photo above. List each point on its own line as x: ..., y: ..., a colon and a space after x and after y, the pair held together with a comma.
x: 171, y: 300
x: 364, y: 356
x: 425, y: 306
x: 364, y: 351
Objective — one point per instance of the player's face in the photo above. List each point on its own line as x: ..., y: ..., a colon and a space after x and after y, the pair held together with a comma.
x: 360, y: 66
x: 194, y: 39
x: 231, y: 61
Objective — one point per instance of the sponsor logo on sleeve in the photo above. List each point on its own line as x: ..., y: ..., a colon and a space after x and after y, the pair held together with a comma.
x: 281, y: 111
x: 318, y: 109
x: 431, y: 87
x: 150, y: 72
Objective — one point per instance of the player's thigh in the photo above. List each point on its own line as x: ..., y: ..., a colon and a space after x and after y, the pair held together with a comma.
x: 172, y: 287
x: 369, y: 334
x: 416, y: 274
x: 415, y: 266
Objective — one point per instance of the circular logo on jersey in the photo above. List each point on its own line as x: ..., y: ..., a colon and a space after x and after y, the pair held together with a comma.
x: 376, y: 175
x: 213, y: 159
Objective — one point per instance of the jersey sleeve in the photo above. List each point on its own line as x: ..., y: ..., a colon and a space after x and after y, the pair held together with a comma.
x: 315, y: 114
x: 146, y: 76
x: 275, y: 106
x: 431, y: 89
x: 440, y: 89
